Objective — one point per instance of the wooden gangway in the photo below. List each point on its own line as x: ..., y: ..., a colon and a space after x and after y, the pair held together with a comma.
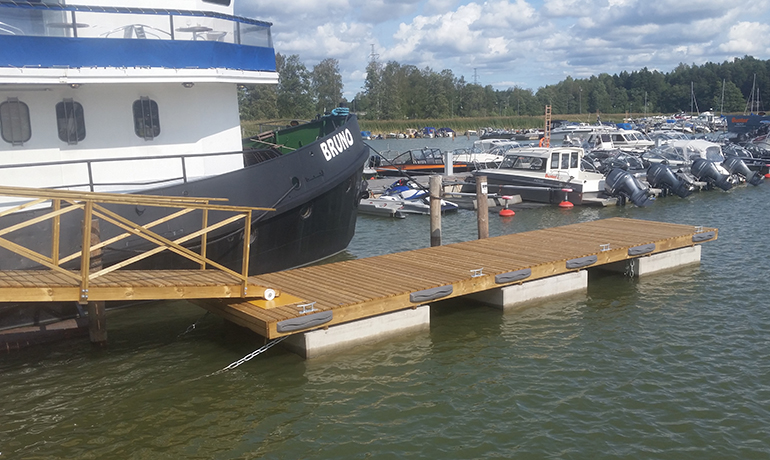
x: 75, y: 277
x: 324, y: 295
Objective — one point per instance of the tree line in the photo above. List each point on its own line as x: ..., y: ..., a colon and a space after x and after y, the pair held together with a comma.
x: 393, y: 91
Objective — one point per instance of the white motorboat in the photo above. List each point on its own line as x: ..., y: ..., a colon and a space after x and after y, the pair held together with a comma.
x: 547, y: 175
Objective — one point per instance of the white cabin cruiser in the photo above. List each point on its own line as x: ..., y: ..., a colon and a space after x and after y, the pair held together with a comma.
x: 547, y: 175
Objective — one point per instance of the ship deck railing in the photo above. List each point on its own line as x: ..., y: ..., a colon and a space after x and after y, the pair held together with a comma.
x: 94, y: 183
x: 90, y: 21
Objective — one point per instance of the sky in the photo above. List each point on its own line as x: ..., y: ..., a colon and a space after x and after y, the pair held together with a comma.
x: 529, y: 44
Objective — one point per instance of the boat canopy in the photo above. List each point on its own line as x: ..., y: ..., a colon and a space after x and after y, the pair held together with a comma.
x: 45, y: 35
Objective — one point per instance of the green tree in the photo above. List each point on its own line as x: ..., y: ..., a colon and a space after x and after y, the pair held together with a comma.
x: 258, y: 102
x: 371, y: 98
x: 392, y: 77
x: 733, y: 99
x: 294, y: 85
x: 327, y: 85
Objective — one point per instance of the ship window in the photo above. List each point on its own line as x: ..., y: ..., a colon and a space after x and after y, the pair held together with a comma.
x: 555, y: 160
x: 146, y: 123
x: 573, y: 160
x: 70, y: 121
x: 14, y: 121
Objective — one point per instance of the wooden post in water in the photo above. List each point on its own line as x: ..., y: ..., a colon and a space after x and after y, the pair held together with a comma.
x: 482, y: 206
x: 435, y: 210
x: 97, y: 316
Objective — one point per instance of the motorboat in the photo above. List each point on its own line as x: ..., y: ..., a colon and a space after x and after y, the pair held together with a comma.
x: 426, y: 160
x: 546, y: 175
x: 489, y: 144
x: 578, y: 131
x: 627, y: 140
x: 709, y: 164
x: 476, y: 158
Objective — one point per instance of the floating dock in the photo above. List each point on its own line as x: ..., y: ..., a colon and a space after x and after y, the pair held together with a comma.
x: 357, y: 296
x: 324, y: 307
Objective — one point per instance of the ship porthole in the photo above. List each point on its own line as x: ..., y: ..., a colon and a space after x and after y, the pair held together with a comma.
x: 296, y: 183
x: 306, y: 211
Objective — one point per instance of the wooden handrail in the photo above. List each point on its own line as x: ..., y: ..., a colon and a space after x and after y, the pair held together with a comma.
x: 91, y: 205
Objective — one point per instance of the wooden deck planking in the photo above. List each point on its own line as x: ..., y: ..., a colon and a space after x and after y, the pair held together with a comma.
x: 387, y: 281
x: 367, y: 287
x: 50, y: 286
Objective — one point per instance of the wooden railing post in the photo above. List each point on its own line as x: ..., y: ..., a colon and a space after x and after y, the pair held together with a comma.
x: 97, y: 315
x: 204, y: 238
x: 246, y: 250
x: 85, y: 252
x: 55, y: 232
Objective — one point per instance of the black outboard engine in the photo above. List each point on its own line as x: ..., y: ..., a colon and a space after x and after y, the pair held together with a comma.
x: 661, y: 176
x: 623, y: 183
x: 734, y: 165
x: 707, y: 170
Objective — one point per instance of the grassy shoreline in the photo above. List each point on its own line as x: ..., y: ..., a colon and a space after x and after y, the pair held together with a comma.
x: 459, y: 125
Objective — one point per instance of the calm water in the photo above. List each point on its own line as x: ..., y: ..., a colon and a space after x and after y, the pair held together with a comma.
x: 670, y: 367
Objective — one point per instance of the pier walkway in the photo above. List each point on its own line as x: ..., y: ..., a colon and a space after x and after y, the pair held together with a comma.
x: 325, y: 295
x: 73, y: 275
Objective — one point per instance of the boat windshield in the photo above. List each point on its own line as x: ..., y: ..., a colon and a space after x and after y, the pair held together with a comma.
x: 714, y: 153
x: 523, y: 162
x: 672, y: 154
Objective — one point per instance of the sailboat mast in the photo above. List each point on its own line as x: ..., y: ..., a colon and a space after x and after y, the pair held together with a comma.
x: 750, y: 103
x: 722, y: 104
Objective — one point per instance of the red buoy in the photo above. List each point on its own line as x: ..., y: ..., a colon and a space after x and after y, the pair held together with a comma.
x: 565, y: 203
x: 505, y: 212
x: 767, y: 176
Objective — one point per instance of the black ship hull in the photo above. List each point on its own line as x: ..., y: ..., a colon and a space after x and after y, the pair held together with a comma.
x: 315, y: 192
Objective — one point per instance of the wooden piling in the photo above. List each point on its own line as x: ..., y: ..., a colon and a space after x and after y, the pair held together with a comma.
x: 435, y: 210
x: 482, y: 207
x: 97, y: 315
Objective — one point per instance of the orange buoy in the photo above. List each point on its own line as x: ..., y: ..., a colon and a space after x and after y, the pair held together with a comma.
x: 767, y: 176
x: 505, y: 212
x: 565, y: 204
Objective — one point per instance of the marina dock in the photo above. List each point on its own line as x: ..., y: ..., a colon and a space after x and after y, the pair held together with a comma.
x: 333, y: 305
x: 538, y: 263
x: 330, y: 305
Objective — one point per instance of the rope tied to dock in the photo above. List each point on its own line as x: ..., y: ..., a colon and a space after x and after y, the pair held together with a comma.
x: 192, y: 327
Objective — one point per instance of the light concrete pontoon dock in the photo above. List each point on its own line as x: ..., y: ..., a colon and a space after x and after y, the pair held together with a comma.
x: 359, y: 296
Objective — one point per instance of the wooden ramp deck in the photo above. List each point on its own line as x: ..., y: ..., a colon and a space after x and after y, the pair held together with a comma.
x: 55, y: 286
x: 325, y: 295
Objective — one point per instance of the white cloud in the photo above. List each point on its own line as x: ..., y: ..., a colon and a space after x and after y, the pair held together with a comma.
x: 743, y: 39
x: 532, y: 43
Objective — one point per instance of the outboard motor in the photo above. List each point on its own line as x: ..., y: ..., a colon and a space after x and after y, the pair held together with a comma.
x: 620, y: 182
x: 661, y: 176
x: 707, y: 170
x: 734, y: 165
